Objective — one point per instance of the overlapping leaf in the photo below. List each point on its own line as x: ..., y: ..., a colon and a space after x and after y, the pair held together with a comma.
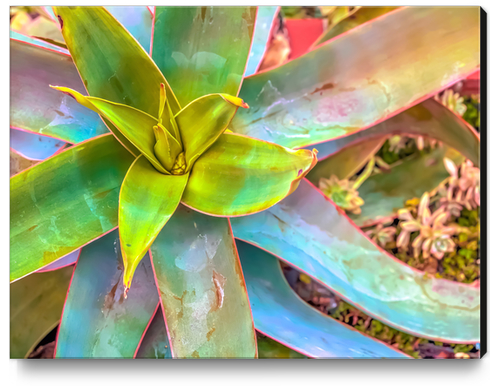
x: 37, y: 108
x: 374, y: 72
x: 262, y: 34
x: 385, y: 193
x: 228, y: 178
x: 98, y: 322
x: 64, y: 202
x: 309, y: 232
x: 280, y: 314
x: 36, y: 303
x: 202, y: 288
x: 203, y: 50
x: 429, y: 119
x: 147, y: 201
x: 34, y: 146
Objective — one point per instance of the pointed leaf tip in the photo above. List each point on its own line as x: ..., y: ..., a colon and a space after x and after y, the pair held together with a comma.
x: 235, y: 101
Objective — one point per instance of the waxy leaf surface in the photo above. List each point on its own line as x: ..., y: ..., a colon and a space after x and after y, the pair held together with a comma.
x: 111, y: 63
x: 346, y: 162
x: 38, y: 42
x: 130, y: 124
x: 202, y: 50
x: 155, y: 344
x: 240, y: 175
x: 429, y: 119
x: 98, y: 322
x: 138, y: 20
x: 202, y: 121
x: 309, y: 232
x: 65, y: 202
x: 36, y: 303
x: 65, y: 261
x: 202, y: 288
x: 270, y: 349
x: 36, y: 107
x: 373, y: 73
x: 385, y: 193
x: 282, y: 315
x: 19, y: 163
x: 262, y: 35
x: 360, y: 16
x: 148, y: 199
x: 34, y: 146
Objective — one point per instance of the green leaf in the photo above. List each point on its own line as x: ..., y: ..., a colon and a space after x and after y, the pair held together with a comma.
x: 135, y: 125
x: 98, y: 322
x: 155, y: 344
x: 309, y: 232
x: 65, y: 202
x: 385, y: 193
x: 18, y: 163
x: 374, y: 72
x: 429, y: 118
x: 346, y: 162
x: 36, y: 303
x: 37, y: 108
x: 202, y: 288
x: 111, y: 63
x: 240, y: 175
x: 264, y: 23
x: 202, y: 50
x: 360, y: 16
x: 203, y: 120
x: 148, y: 199
x: 270, y: 349
x: 167, y: 148
x: 281, y: 314
x: 138, y: 20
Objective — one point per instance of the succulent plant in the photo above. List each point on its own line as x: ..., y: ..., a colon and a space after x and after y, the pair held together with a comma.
x: 147, y: 178
x: 434, y: 236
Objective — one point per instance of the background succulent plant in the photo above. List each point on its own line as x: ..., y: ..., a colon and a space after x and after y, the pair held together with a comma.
x: 188, y: 297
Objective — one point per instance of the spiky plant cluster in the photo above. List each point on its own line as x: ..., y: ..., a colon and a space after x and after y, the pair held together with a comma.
x: 452, y: 100
x: 344, y: 192
x: 434, y: 234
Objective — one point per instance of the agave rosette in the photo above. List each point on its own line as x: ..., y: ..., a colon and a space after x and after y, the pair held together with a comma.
x: 168, y: 116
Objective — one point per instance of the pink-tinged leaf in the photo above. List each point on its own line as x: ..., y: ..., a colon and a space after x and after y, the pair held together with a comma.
x: 34, y: 146
x: 202, y: 50
x: 360, y: 16
x: 155, y: 344
x: 384, y: 194
x: 346, y: 162
x: 36, y: 303
x: 264, y: 23
x: 202, y: 288
x: 429, y: 119
x: 137, y: 20
x: 279, y: 313
x: 37, y: 108
x: 374, y: 72
x: 65, y: 261
x: 309, y: 232
x: 97, y: 321
x: 64, y: 202
x: 19, y: 163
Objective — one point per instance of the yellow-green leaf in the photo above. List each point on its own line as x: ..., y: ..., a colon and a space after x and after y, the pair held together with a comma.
x: 111, y: 63
x: 239, y: 175
x: 146, y: 202
x: 134, y: 124
x: 203, y: 120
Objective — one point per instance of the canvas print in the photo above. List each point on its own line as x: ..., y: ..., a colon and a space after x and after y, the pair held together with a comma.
x: 245, y: 182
